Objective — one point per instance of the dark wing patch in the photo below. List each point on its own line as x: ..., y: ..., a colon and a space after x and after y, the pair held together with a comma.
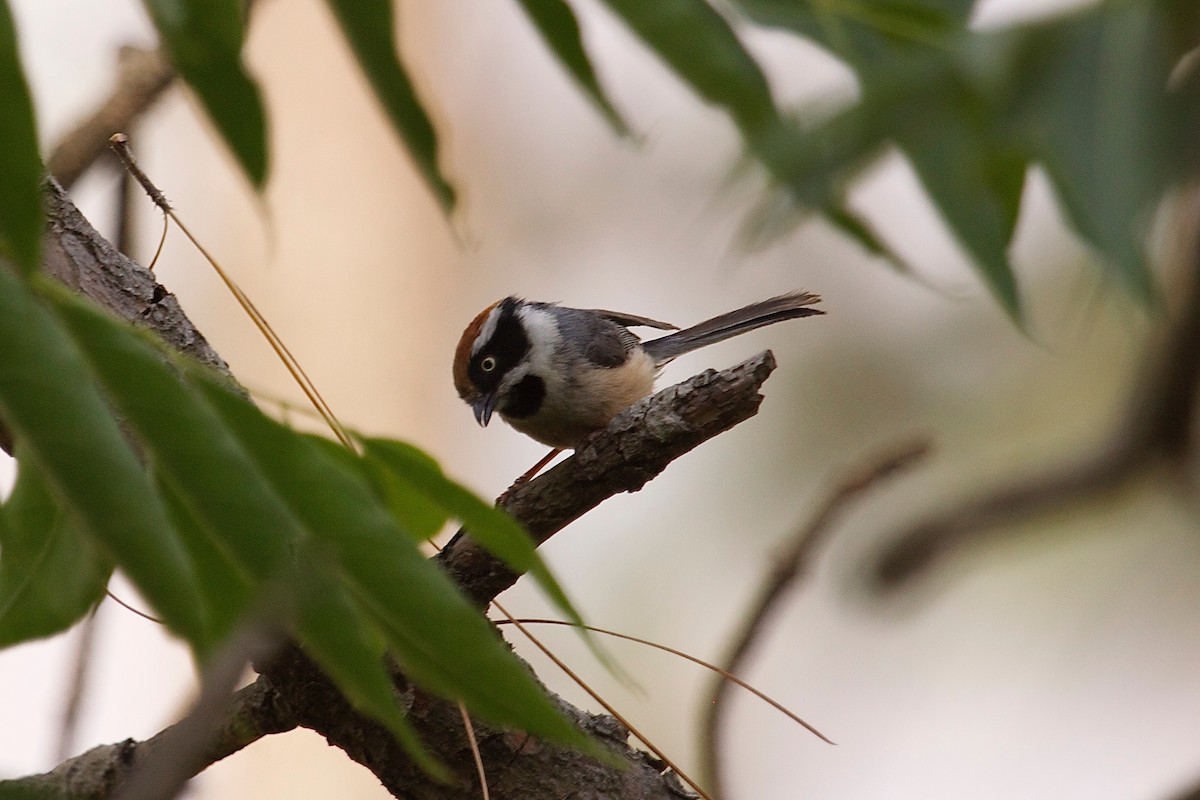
x: 600, y: 340
x: 610, y: 347
x: 633, y: 320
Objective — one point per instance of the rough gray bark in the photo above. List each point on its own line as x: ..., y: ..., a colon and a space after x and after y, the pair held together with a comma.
x: 634, y: 449
x: 291, y: 691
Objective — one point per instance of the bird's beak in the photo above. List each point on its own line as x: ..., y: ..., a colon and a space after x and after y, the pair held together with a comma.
x: 483, y: 408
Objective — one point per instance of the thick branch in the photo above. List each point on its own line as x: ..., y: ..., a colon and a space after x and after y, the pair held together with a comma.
x: 518, y: 768
x: 100, y: 772
x: 74, y: 253
x: 631, y: 451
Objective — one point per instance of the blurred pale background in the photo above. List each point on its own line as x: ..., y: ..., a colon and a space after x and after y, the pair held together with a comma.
x: 1061, y: 664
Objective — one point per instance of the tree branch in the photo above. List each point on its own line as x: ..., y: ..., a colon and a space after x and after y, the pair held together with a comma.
x: 291, y: 691
x: 632, y: 450
x: 98, y: 774
x: 791, y: 564
x: 142, y: 77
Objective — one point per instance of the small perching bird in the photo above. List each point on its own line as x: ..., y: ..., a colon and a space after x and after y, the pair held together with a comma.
x: 559, y: 374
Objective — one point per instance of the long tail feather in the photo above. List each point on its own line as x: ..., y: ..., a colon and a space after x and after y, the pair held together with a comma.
x: 720, y: 328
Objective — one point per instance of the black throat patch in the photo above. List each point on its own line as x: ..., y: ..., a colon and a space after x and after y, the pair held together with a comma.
x: 524, y: 399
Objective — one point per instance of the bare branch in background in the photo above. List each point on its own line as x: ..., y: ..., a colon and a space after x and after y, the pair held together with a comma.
x: 1158, y: 429
x: 253, y: 712
x: 81, y: 667
x: 142, y: 77
x: 166, y: 762
x: 790, y: 565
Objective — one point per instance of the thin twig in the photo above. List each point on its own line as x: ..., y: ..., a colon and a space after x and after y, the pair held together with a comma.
x: 475, y: 754
x: 142, y: 78
x: 724, y: 674
x: 167, y: 766
x: 608, y: 707
x: 120, y: 145
x: 791, y: 564
x: 82, y: 661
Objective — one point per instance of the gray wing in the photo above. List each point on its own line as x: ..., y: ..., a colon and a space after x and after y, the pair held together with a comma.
x: 602, y: 340
x: 633, y: 320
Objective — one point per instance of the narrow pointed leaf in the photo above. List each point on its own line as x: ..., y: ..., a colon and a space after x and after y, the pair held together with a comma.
x: 212, y: 475
x: 559, y: 28
x: 250, y: 548
x: 858, y: 228
x: 700, y: 46
x: 493, y: 529
x: 339, y: 636
x: 52, y: 572
x: 401, y: 465
x: 411, y: 509
x: 1095, y: 102
x: 958, y: 144
x: 977, y: 190
x: 20, y: 167
x: 443, y: 643
x: 204, y: 40
x: 64, y: 425
x: 228, y: 587
x: 369, y: 27
x: 863, y: 32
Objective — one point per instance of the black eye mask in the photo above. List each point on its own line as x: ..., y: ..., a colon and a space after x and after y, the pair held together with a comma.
x: 508, y: 345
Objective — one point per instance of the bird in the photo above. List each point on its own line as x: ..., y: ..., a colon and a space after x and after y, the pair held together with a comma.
x: 559, y: 374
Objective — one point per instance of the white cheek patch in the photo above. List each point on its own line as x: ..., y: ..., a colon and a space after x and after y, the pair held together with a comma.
x: 542, y: 330
x: 512, y: 378
x: 487, y: 331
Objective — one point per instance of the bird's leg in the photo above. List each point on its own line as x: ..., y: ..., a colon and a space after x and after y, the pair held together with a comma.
x: 527, y: 476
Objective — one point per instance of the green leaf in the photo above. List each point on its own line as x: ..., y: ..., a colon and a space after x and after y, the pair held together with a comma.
x: 63, y: 424
x: 20, y: 167
x: 443, y: 643
x: 206, y: 470
x: 1094, y: 102
x: 863, y: 32
x: 411, y: 508
x: 975, y: 184
x: 204, y: 40
x: 339, y: 635
x: 559, y: 28
x: 250, y: 546
x: 52, y: 573
x: 1097, y: 97
x: 227, y: 585
x: 491, y: 527
x: 368, y: 26
x: 971, y: 175
x: 858, y: 228
x: 703, y: 50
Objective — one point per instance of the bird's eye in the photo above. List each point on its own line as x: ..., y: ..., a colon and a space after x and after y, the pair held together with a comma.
x: 488, y: 364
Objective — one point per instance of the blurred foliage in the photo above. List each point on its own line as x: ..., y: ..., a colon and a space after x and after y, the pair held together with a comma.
x: 238, y: 515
